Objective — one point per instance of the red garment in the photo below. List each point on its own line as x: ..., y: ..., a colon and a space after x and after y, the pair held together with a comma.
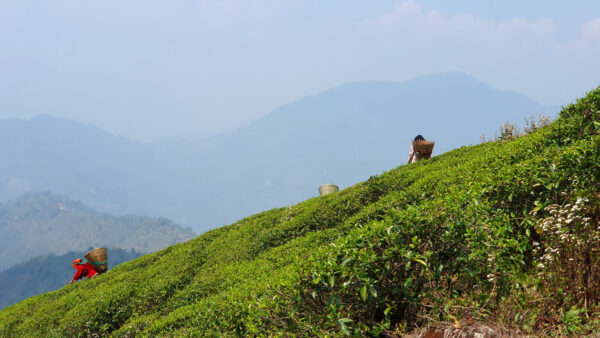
x: 85, y: 270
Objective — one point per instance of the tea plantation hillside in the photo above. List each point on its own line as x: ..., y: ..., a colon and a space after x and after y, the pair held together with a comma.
x: 47, y: 273
x: 501, y: 232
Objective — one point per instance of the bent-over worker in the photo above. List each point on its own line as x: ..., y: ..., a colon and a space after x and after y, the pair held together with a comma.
x: 413, y: 156
x: 83, y: 270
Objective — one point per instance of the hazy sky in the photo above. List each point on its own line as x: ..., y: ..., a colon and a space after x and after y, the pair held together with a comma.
x: 149, y: 69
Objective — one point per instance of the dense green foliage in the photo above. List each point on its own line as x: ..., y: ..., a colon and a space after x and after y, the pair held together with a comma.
x: 47, y: 273
x: 38, y: 224
x: 476, y: 232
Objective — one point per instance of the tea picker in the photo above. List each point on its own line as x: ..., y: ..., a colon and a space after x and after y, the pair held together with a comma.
x: 420, y: 149
x: 96, y: 264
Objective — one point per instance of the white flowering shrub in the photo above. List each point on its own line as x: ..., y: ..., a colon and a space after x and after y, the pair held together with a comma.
x: 508, y: 132
x: 532, y: 124
x: 511, y: 131
x: 569, y: 251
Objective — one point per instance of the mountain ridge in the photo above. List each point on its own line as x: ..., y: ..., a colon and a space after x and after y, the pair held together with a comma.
x: 341, y: 136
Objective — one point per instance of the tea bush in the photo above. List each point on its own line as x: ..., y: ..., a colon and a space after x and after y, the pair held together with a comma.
x: 504, y: 232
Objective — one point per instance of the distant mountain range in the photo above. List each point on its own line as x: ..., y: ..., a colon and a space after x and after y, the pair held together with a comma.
x: 48, y: 273
x: 38, y: 224
x: 340, y: 136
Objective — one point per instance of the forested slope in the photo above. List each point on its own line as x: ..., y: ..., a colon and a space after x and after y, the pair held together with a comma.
x: 504, y: 232
x: 42, y: 223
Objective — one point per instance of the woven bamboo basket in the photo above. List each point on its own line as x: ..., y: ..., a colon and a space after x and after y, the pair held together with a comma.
x: 327, y: 189
x: 98, y: 258
x: 424, y: 148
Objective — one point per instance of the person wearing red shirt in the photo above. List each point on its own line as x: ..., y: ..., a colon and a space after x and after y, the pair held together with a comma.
x: 83, y: 270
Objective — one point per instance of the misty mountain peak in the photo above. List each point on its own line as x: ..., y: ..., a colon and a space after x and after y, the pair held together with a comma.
x: 342, y: 135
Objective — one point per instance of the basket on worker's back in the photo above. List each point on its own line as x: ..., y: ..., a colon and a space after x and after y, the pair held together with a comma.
x: 97, y: 257
x: 423, y: 148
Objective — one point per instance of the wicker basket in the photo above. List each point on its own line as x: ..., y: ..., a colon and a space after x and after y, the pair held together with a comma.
x: 98, y: 258
x: 327, y: 189
x: 423, y: 148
